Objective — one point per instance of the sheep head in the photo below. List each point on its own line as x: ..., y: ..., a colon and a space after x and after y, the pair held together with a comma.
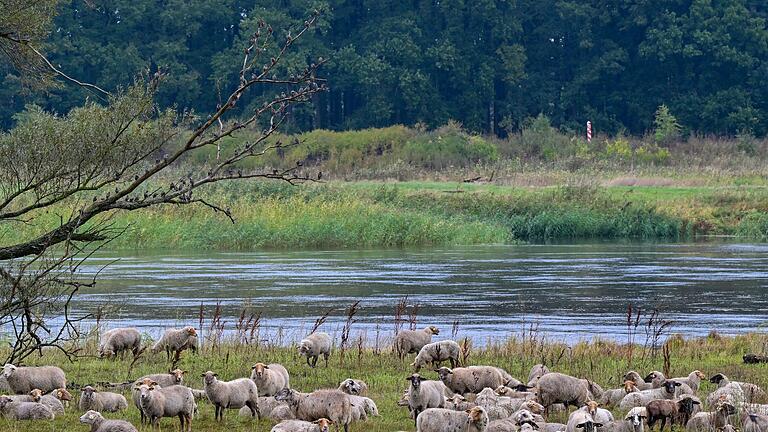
x: 259, y: 369
x: 178, y: 375
x: 351, y: 386
x: 91, y: 417
x: 523, y: 416
x: 700, y: 374
x: 443, y: 373
x: 4, y: 400
x: 592, y: 407
x: 629, y: 386
x: 632, y: 376
x: 433, y: 330
x: 589, y: 426
x: 8, y: 370
x: 191, y: 331
x: 88, y: 392
x: 686, y: 404
x: 477, y: 415
x: 415, y: 380
x: 285, y: 394
x: 534, y: 407
x: 717, y: 378
x: 36, y: 394
x: 324, y: 424
x: 63, y: 394
x: 669, y: 386
x: 653, y: 376
x: 209, y: 377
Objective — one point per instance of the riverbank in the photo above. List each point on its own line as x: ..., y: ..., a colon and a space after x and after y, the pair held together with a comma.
x: 603, y: 362
x: 402, y: 214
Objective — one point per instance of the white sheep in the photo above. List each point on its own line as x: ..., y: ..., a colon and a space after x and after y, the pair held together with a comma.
x: 752, y: 392
x: 55, y: 400
x: 497, y: 407
x: 613, y: 397
x: 668, y: 390
x: 411, y: 341
x: 471, y: 379
x: 457, y: 402
x: 516, y: 422
x: 638, y: 380
x: 707, y: 421
x: 270, y: 378
x: 655, y: 378
x: 537, y: 371
x: 330, y: 404
x: 13, y: 410
x: 23, y: 380
x: 231, y: 394
x: 362, y: 407
x: 444, y: 420
x: 754, y: 423
x: 315, y: 345
x: 556, y: 388
x: 266, y: 406
x: 423, y: 394
x: 92, y: 399
x: 99, y: 424
x: 174, y: 377
x: 633, y: 422
x: 580, y: 421
x: 354, y: 387
x: 437, y: 352
x: 322, y: 425
x: 693, y: 380
x: 117, y: 341
x: 173, y: 401
x: 176, y: 341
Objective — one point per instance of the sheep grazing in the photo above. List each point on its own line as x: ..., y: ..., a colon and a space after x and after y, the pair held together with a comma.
x: 556, y: 388
x: 599, y: 415
x: 13, y: 410
x: 614, y: 396
x: 173, y: 401
x: 676, y: 411
x: 362, y: 407
x: 424, y: 394
x: 174, y: 377
x: 176, y: 341
x: 637, y: 399
x: 100, y: 424
x: 537, y: 371
x: 116, y: 341
x: 706, y: 421
x: 582, y: 420
x: 322, y: 425
x: 23, y: 380
x: 471, y: 379
x: 638, y: 380
x: 752, y: 393
x: 754, y: 358
x: 266, y: 406
x: 231, y: 394
x: 437, y: 352
x: 269, y: 379
x: 92, y: 399
x: 754, y: 423
x: 411, y: 341
x: 54, y: 400
x: 330, y: 404
x: 443, y: 420
x: 315, y: 345
x: 693, y: 380
x: 633, y: 422
x: 354, y: 387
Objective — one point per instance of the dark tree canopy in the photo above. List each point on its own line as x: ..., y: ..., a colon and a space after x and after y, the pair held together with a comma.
x: 485, y: 63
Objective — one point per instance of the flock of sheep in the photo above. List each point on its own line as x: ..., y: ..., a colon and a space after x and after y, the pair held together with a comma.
x: 464, y: 399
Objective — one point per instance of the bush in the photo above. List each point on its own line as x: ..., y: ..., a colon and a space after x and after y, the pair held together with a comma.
x: 667, y: 129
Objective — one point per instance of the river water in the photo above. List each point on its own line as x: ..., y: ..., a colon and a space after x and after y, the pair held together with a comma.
x: 566, y: 292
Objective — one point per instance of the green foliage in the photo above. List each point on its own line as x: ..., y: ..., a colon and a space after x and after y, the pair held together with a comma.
x: 538, y: 138
x: 754, y: 225
x: 667, y: 128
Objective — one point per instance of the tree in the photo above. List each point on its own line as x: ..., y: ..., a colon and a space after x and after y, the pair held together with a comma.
x: 118, y: 152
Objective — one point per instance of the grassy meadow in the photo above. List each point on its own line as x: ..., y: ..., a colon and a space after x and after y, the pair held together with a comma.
x: 604, y: 362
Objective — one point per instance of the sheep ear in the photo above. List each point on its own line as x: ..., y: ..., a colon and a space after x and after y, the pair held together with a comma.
x: 202, y: 375
x: 253, y: 367
x: 183, y: 372
x: 216, y: 375
x: 695, y: 402
x: 599, y: 425
x: 266, y: 367
x: 677, y: 384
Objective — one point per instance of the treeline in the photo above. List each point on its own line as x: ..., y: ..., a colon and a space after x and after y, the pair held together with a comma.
x: 490, y: 65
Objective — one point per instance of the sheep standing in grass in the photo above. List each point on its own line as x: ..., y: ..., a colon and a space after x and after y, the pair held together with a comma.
x: 266, y: 406
x: 754, y: 423
x: 638, y: 380
x: 330, y: 404
x: 667, y: 391
x: 556, y: 388
x: 270, y: 379
x: 752, y: 392
x: 116, y: 341
x: 362, y: 407
x: 437, y: 352
x: 471, y: 379
x: 614, y: 396
x: 231, y: 394
x: 173, y: 401
x: 174, y: 377
x: 176, y: 341
x: 676, y: 411
x: 13, y: 410
x: 322, y: 425
x: 707, y: 421
x: 693, y: 380
x: 92, y: 399
x: 99, y: 424
x: 655, y: 379
x: 423, y: 394
x: 411, y: 341
x: 599, y: 415
x: 354, y: 387
x: 23, y: 380
x: 315, y: 345
x: 443, y: 420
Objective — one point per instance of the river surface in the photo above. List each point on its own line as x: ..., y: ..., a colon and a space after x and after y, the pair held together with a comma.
x: 565, y: 292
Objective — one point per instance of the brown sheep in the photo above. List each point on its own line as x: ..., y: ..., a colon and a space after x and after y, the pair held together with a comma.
x: 677, y: 411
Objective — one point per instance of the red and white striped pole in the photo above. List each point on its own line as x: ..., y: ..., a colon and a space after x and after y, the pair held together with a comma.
x: 589, y: 131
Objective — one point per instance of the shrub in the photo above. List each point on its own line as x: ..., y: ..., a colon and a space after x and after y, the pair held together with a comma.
x: 667, y: 128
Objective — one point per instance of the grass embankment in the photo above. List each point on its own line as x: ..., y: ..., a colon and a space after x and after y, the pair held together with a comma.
x: 604, y: 362
x: 374, y: 214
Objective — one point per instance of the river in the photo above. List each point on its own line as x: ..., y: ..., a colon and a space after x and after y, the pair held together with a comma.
x: 565, y: 292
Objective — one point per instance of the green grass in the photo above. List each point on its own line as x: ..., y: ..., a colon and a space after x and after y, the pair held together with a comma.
x: 604, y: 362
x: 407, y: 214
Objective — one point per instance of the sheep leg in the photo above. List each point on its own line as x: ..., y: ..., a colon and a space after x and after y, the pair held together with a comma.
x: 181, y: 420
x: 453, y: 362
x: 664, y: 423
x: 325, y: 355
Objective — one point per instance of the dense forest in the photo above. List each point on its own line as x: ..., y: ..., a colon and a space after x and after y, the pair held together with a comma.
x: 489, y: 64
